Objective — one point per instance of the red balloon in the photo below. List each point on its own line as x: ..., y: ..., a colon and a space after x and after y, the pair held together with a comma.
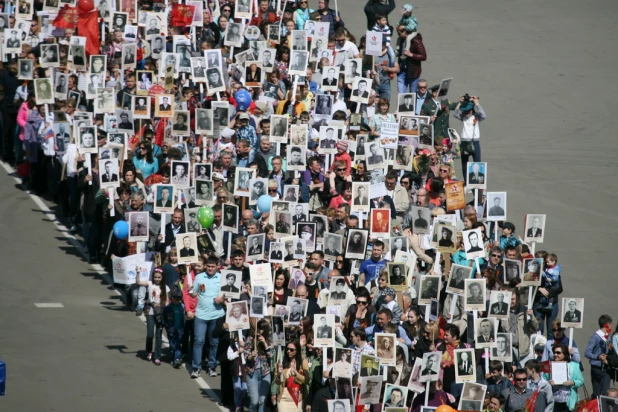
x: 85, y: 5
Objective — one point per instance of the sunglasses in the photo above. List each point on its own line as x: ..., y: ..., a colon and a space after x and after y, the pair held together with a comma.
x: 443, y: 171
x: 339, y: 261
x: 142, y: 148
x: 341, y: 170
x: 557, y: 352
x: 520, y: 379
x: 494, y: 255
x: 290, y: 349
x: 361, y: 302
x: 272, y: 190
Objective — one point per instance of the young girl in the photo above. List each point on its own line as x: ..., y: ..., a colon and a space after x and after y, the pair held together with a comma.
x: 235, y: 354
x: 258, y: 366
x: 157, y: 292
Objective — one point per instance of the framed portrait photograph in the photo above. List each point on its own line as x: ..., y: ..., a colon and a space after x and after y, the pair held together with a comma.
x: 414, y: 383
x: 105, y: 101
x: 198, y: 69
x: 267, y: 58
x: 485, y: 332
x: 97, y: 65
x: 534, y: 228
x: 532, y: 270
x: 444, y: 236
x: 237, y: 316
x: 324, y: 334
x: 61, y: 83
x: 125, y: 123
x: 204, y: 121
x: 109, y: 172
x: 214, y: 81
x: 233, y: 32
x: 257, y: 307
x: 608, y: 404
x: 283, y: 224
x: 360, y: 90
x: 321, y: 226
x: 386, y: 345
x: 231, y: 283
x: 306, y: 232
x: 499, y: 303
x: 429, y: 289
x: 328, y: 140
x: 164, y: 198
x: 473, y: 244
x: 298, y: 309
x: 395, y: 396
x: 278, y: 330
x: 397, y: 273
x: 164, y: 106
x: 360, y: 196
x: 474, y: 294
x: 298, y: 62
x: 572, y: 312
x: 465, y: 365
x: 278, y: 128
x: 180, y: 174
x: 374, y: 156
x: 275, y: 254
x: 241, y: 184
x: 445, y: 85
x: 141, y: 107
x: 496, y: 206
x: 296, y: 156
x: 230, y: 218
x: 258, y: 187
x: 297, y: 278
x: 371, y: 386
x: 323, y: 106
x: 87, y: 142
x: 25, y: 69
x: 352, y: 70
x: 339, y: 405
x: 398, y: 243
x: 330, y: 78
x: 180, y: 123
x: 298, y: 134
x: 380, y: 223
x: 138, y: 226
x: 425, y: 136
x: 255, y: 247
x: 213, y: 58
x: 430, y: 367
x: 504, y: 348
x: 369, y: 366
x: 512, y: 270
x: 299, y: 39
x: 357, y: 244
x: 338, y: 290
x: 50, y: 54
x: 186, y: 248
x: 406, y: 103
x: 43, y: 91
x: 421, y: 219
x: 332, y: 246
x: 477, y: 175
x: 203, y: 192
x: 472, y: 397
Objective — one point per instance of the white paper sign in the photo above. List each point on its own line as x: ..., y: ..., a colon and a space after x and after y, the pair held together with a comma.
x: 389, y: 135
x: 261, y: 275
x: 373, y: 47
x: 125, y: 268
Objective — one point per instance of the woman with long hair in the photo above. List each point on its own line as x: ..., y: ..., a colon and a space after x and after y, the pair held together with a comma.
x: 281, y: 291
x: 258, y: 367
x: 359, y: 173
x: 144, y: 160
x: 291, y: 377
x: 359, y: 314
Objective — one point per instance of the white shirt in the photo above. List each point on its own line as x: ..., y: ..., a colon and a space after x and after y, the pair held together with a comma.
x: 348, y: 47
x: 470, y: 129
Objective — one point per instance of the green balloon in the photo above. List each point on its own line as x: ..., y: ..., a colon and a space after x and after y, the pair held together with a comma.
x: 205, y: 216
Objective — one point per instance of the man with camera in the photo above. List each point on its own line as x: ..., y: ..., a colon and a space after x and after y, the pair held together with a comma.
x: 470, y: 112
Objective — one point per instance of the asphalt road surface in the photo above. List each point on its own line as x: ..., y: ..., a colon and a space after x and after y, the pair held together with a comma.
x: 545, y: 73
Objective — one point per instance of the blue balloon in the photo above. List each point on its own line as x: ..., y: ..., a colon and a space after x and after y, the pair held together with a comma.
x: 264, y: 202
x: 121, y: 229
x: 243, y: 100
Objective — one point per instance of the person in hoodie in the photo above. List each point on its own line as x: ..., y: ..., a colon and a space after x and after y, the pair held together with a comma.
x: 546, y: 300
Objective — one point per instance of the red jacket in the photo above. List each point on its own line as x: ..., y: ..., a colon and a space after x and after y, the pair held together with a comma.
x: 258, y: 20
x: 189, y: 301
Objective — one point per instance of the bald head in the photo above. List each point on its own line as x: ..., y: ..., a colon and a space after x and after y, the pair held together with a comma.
x: 247, y: 214
x: 301, y: 290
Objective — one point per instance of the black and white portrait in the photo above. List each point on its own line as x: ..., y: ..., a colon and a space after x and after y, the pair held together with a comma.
x: 324, y: 332
x: 474, y: 294
x: 24, y: 69
x: 332, y: 245
x: 276, y: 252
x: 420, y: 219
x: 255, y: 247
x: 496, y: 206
x: 444, y: 236
x: 180, y: 123
x: 330, y: 78
x: 361, y: 87
x: 397, y: 275
x: 257, y: 307
x: 279, y: 129
x: 214, y: 80
x: 430, y: 368
x: 258, y: 187
x: 425, y: 136
x: 472, y: 398
x: 370, y: 387
x: 50, y: 55
x: 445, y: 85
x: 105, y: 101
x: 203, y: 192
x: 213, y: 59
x: 408, y: 125
x: 473, y: 244
x: 299, y: 40
x: 406, y: 103
x: 512, y: 270
x: 125, y: 120
x: 186, y: 247
x: 324, y: 105
x: 360, y: 196
x: 98, y: 64
x: 267, y: 58
x: 283, y: 223
x: 357, y: 244
x: 129, y: 51
x: 534, y: 228
x: 499, y: 303
x: 233, y: 34
x: 352, y: 70
x: 231, y: 283
x: 61, y: 86
x: 198, y: 69
x: 429, y: 289
x: 180, y: 174
x: 108, y: 173
x: 456, y: 281
x: 306, y: 232
x: 296, y: 156
x: 339, y: 405
x: 608, y: 404
x: 504, y: 348
x: 230, y: 218
x: 572, y: 312
x: 237, y: 316
x: 298, y: 62
x: 43, y: 91
x: 241, y: 183
x: 221, y: 113
x: 119, y: 21
x: 204, y: 121
x: 485, y: 332
x: 374, y: 156
x: 138, y: 226
x: 465, y: 365
x: 87, y: 140
x: 298, y: 309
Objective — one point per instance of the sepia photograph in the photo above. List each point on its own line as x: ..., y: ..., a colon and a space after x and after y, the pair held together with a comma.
x: 472, y: 398
x: 386, y: 345
x: 532, y: 270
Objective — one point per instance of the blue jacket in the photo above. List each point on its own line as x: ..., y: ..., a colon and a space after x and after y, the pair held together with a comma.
x: 401, y: 333
x: 575, y: 374
x: 596, y: 347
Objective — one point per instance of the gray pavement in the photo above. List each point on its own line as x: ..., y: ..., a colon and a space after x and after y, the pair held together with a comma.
x: 544, y: 71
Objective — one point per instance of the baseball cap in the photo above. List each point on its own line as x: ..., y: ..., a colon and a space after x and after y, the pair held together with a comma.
x: 407, y: 8
x: 243, y: 116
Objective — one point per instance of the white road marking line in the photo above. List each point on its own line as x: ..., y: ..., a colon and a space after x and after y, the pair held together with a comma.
x: 78, y: 244
x: 48, y: 305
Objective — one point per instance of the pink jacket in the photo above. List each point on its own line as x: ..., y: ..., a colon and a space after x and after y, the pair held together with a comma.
x: 22, y: 119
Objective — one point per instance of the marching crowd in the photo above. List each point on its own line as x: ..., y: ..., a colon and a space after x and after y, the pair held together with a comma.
x: 49, y: 143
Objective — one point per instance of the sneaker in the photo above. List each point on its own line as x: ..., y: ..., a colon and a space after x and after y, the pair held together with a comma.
x: 149, y: 357
x: 177, y: 363
x: 139, y: 312
x: 195, y: 374
x: 157, y: 362
x: 212, y: 372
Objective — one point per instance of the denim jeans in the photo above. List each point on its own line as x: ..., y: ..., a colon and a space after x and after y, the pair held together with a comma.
x: 138, y: 296
x: 383, y: 90
x: 546, y: 318
x: 203, y: 328
x: 174, y: 336
x: 152, y: 330
x: 240, y: 392
x: 259, y: 388
x: 476, y: 157
x: 406, y: 86
x: 600, y: 381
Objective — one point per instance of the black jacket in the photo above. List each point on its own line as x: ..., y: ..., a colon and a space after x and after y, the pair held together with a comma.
x: 374, y: 7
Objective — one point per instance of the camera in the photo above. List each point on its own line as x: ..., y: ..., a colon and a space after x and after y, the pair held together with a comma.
x: 466, y: 97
